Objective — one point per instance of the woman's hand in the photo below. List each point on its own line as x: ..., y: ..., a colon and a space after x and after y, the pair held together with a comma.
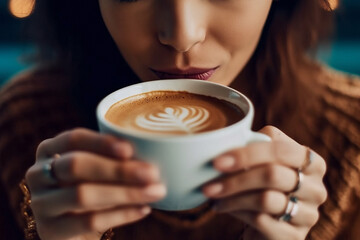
x: 259, y: 180
x: 84, y: 183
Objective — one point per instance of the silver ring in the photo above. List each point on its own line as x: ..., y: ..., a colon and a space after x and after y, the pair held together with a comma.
x: 292, y: 209
x: 48, y: 168
x: 309, y: 158
x: 299, y: 180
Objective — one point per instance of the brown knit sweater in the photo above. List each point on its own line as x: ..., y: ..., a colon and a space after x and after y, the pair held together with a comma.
x: 36, y: 105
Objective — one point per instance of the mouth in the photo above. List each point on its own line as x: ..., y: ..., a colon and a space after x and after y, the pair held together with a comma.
x: 190, y: 73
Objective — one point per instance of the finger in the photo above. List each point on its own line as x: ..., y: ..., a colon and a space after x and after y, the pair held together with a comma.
x: 316, y: 164
x: 312, y: 190
x: 274, y: 177
x: 83, y: 166
x: 94, y: 197
x: 307, y: 215
x: 37, y: 176
x: 276, y: 134
x: 72, y: 225
x: 319, y: 166
x: 272, y: 228
x: 270, y: 202
x: 75, y: 167
x: 85, y: 140
x: 286, y: 153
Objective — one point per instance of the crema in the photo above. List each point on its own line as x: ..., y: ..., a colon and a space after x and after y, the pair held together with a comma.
x: 173, y: 113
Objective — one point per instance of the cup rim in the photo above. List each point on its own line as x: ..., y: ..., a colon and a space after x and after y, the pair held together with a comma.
x: 101, y: 116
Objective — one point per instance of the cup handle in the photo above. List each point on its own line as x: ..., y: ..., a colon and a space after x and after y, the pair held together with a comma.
x: 258, y: 137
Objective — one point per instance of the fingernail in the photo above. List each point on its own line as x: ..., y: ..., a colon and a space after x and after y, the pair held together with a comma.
x: 225, y: 162
x: 145, y: 210
x: 214, y: 189
x: 157, y: 190
x: 149, y: 174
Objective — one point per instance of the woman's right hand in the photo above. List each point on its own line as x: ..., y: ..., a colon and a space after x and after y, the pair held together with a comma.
x: 97, y: 185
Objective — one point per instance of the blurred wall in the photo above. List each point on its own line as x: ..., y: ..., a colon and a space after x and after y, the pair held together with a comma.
x: 344, y: 52
x: 13, y: 43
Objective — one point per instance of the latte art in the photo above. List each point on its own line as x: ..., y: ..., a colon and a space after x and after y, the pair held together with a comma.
x: 173, y: 113
x: 189, y: 119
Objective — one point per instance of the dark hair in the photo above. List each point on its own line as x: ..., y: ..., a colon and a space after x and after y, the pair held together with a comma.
x: 72, y: 34
x: 293, y: 31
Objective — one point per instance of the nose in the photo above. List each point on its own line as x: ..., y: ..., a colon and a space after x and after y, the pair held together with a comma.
x: 180, y: 25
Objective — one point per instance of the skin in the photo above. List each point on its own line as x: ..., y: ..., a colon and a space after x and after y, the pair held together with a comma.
x: 183, y: 34
x: 100, y: 184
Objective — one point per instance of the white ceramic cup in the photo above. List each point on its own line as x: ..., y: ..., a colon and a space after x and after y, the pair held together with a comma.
x: 184, y: 160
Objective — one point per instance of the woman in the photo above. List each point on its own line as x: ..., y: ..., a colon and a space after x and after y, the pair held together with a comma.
x: 83, y: 183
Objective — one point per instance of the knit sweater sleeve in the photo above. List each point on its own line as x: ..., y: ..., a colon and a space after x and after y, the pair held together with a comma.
x: 335, y: 126
x: 31, y: 109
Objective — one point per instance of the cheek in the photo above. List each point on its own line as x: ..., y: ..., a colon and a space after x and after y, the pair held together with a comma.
x: 240, y: 30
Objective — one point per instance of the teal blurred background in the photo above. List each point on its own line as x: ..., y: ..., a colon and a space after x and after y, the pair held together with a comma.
x: 343, y: 53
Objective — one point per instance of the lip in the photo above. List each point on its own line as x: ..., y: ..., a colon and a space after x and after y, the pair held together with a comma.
x: 189, y: 73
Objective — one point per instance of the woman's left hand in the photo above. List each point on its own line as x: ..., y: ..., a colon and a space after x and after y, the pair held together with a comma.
x: 274, y: 187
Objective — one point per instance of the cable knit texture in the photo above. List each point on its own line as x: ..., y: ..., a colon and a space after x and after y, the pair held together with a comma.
x: 36, y: 105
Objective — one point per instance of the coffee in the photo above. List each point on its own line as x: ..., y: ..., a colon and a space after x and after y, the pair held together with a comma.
x: 184, y: 160
x: 173, y: 113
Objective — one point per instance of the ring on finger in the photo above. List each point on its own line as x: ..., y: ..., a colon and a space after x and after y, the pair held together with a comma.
x: 309, y: 158
x: 48, y: 168
x: 292, y: 209
x: 299, y: 180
